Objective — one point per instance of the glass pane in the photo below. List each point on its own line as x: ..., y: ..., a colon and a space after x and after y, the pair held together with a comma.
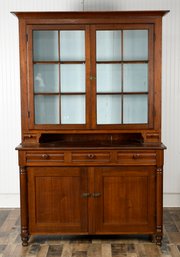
x: 46, y: 109
x: 45, y: 45
x: 108, y: 109
x: 72, y: 77
x: 108, y: 78
x: 108, y: 45
x: 135, y: 45
x: 46, y: 78
x: 135, y: 109
x: 73, y: 109
x: 72, y: 45
x: 135, y: 77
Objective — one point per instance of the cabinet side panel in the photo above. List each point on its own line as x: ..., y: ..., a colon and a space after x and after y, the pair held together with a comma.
x: 23, y: 74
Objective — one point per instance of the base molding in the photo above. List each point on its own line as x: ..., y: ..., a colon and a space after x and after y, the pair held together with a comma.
x: 13, y: 200
x: 9, y: 201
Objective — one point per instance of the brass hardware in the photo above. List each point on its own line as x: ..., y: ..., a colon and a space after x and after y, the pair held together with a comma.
x: 45, y: 156
x: 136, y: 156
x: 95, y: 195
x: 91, y: 156
x: 86, y: 195
x: 91, y: 78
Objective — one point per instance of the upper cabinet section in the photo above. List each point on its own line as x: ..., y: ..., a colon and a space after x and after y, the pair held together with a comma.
x: 91, y: 70
x: 63, y: 80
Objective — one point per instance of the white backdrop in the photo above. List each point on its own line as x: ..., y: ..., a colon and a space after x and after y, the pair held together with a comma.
x: 10, y: 128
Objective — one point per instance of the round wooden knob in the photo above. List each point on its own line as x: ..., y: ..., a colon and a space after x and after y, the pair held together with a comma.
x: 45, y: 156
x: 136, y: 156
x: 91, y: 156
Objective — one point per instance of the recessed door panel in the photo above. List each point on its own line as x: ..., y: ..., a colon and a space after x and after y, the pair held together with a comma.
x: 126, y: 199
x: 55, y: 199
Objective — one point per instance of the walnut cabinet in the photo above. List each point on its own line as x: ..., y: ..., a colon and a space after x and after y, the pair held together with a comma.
x: 91, y: 157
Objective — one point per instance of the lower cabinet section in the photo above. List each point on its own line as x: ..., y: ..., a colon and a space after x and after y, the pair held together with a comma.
x: 56, y: 202
x: 99, y: 200
x: 92, y: 197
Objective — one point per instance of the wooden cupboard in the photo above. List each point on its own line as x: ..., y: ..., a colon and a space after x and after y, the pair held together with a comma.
x: 91, y: 157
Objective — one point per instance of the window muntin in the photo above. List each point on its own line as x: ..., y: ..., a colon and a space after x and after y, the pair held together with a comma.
x: 128, y: 73
x: 59, y: 66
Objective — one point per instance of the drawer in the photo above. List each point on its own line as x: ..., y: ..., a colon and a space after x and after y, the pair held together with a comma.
x: 44, y: 157
x: 136, y: 158
x: 90, y: 157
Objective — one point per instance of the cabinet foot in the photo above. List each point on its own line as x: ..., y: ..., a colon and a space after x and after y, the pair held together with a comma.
x: 24, y: 241
x: 24, y: 237
x: 158, y: 240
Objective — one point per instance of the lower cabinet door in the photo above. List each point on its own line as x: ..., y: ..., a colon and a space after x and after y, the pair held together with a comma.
x: 124, y: 200
x: 56, y: 200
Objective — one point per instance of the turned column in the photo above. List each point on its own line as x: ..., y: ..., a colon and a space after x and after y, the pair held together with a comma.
x: 159, y: 205
x: 24, y: 206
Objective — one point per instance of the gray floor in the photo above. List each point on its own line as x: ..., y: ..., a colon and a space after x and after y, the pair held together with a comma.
x: 106, y: 246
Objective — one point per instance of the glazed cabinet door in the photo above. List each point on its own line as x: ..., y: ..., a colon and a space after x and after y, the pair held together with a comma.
x: 59, y: 76
x: 125, y: 199
x: 56, y: 200
x: 90, y: 76
x: 122, y: 68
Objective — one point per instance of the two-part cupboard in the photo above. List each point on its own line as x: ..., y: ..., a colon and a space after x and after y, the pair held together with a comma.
x: 91, y: 157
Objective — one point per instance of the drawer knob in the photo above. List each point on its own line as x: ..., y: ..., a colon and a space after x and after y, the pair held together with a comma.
x: 136, y: 156
x: 91, y: 156
x: 45, y: 156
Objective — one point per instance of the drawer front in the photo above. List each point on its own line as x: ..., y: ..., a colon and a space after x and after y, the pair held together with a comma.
x: 136, y: 158
x: 90, y: 157
x: 44, y: 157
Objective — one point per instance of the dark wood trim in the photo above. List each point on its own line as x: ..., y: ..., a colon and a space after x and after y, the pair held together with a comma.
x: 23, y: 75
x: 93, y: 75
x: 122, y: 93
x: 24, y: 206
x: 124, y: 126
x: 90, y: 15
x: 30, y: 81
x: 59, y: 70
x: 57, y: 26
x: 59, y: 62
x: 125, y: 26
x: 159, y: 205
x: 157, y: 74
x: 120, y: 62
x: 90, y: 21
x: 61, y: 93
x: 88, y: 99
x: 150, y: 76
x: 122, y: 76
x: 91, y: 207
